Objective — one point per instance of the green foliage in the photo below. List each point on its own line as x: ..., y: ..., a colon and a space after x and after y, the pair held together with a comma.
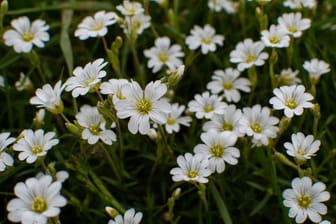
x: 134, y: 171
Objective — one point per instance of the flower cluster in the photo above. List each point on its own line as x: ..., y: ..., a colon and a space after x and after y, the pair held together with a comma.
x: 148, y: 93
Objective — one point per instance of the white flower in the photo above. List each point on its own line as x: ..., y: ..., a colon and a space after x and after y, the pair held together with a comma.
x: 294, y: 24
x: 205, y: 38
x: 174, y: 118
x: 38, y: 120
x: 298, y: 4
x: 143, y: 106
x: 26, y: 34
x: 192, y: 168
x: 96, y: 25
x: 276, y: 37
x: 130, y: 217
x: 206, y: 105
x: 325, y: 222
x: 164, y: 54
x: 23, y: 83
x: 37, y: 200
x: 226, y: 122
x: 217, y: 5
x: 291, y: 99
x: 218, y: 148
x: 304, y: 200
x: 301, y: 147
x: 86, y: 79
x: 5, y: 158
x: 130, y: 8
x: 228, y: 81
x: 49, y: 98
x: 258, y: 123
x: 316, y: 68
x: 93, y: 125
x: 2, y: 81
x: 248, y: 54
x: 114, y: 87
x: 135, y: 25
x: 34, y: 144
x: 288, y: 77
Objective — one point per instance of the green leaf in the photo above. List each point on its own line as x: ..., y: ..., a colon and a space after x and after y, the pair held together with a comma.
x: 223, y: 211
x: 65, y: 40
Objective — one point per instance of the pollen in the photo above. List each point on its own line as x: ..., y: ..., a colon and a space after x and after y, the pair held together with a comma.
x: 256, y: 127
x: 36, y: 149
x: 192, y: 174
x: 291, y: 103
x: 163, y: 57
x: 227, y: 127
x: 208, y: 108
x: 227, y: 85
x: 217, y: 150
x: 206, y: 41
x: 39, y: 205
x: 304, y: 201
x: 144, y: 106
x: 274, y: 39
x: 171, y: 121
x: 94, y: 129
x: 250, y: 58
x: 27, y: 36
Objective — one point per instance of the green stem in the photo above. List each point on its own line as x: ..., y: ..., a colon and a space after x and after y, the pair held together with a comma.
x: 111, y: 158
x: 137, y: 65
x: 272, y: 61
x: 252, y: 74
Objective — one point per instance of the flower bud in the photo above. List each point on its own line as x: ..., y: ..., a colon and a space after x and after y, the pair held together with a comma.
x: 4, y: 7
x: 111, y: 211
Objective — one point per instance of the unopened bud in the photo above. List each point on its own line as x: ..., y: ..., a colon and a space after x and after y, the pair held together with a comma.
x: 316, y: 110
x: 152, y: 134
x: 282, y: 158
x: 72, y: 128
x: 176, y: 193
x: 4, y: 7
x: 38, y: 120
x: 111, y: 211
x: 175, y: 76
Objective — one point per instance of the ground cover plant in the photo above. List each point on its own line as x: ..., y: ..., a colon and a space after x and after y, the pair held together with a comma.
x: 167, y: 111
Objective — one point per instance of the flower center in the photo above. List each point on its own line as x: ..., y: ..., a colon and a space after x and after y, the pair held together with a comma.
x: 163, y: 57
x: 256, y: 127
x: 192, y: 174
x: 301, y: 152
x: 206, y: 41
x: 292, y: 29
x: 36, y: 149
x: 208, y: 108
x: 250, y: 58
x: 171, y: 121
x: 93, y: 129
x: 304, y: 201
x: 39, y: 205
x: 217, y: 150
x: 291, y: 103
x: 119, y: 95
x: 131, y: 11
x: 227, y: 127
x: 227, y: 85
x: 144, y: 106
x: 274, y: 39
x: 27, y: 36
x: 98, y: 26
